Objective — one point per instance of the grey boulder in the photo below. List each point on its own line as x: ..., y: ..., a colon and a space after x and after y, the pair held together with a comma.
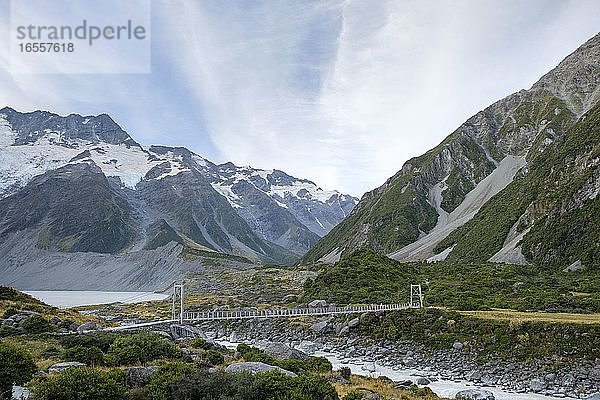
x: 59, y: 367
x: 137, y: 377
x: 317, y: 304
x: 282, y: 351
x: 475, y: 394
x: 255, y: 368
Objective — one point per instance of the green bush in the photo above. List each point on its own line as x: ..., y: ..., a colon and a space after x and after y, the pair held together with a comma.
x: 16, y: 366
x: 218, y: 385
x: 141, y: 348
x: 319, y: 365
x: 88, y: 355
x: 6, y: 330
x: 100, y: 340
x: 9, y: 312
x: 82, y: 384
x: 200, y: 343
x: 278, y: 386
x: 161, y: 382
x: 37, y: 324
x: 346, y: 373
x: 213, y: 357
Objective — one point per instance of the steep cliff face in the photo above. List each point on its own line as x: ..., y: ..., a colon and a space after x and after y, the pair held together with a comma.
x: 549, y: 215
x: 438, y: 192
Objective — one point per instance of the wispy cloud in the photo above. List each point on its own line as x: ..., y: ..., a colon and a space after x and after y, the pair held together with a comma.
x: 342, y: 92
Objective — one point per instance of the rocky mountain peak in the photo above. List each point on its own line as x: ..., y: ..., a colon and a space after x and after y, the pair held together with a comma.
x: 32, y: 127
x: 577, y: 78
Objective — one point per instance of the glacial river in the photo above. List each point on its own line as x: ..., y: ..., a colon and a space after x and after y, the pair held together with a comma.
x: 441, y: 387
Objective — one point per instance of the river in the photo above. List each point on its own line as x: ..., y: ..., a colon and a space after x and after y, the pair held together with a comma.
x: 74, y: 298
x: 441, y: 387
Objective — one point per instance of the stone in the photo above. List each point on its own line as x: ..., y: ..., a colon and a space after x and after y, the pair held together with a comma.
x: 289, y: 298
x: 458, y: 346
x: 255, y: 368
x: 353, y: 322
x: 474, y: 376
x: 423, y: 381
x: 59, y: 367
x: 537, y: 385
x: 593, y: 396
x: 282, y: 351
x: 73, y: 327
x: 319, y: 327
x: 338, y: 379
x: 344, y: 331
x: 87, y: 326
x: 475, y: 394
x: 576, y: 266
x: 369, y: 367
x: 137, y: 377
x: 317, y: 304
x: 403, y: 384
x: 21, y: 393
x: 185, y: 332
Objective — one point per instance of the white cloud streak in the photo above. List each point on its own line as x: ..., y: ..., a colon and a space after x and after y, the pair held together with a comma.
x: 393, y: 78
x: 341, y: 92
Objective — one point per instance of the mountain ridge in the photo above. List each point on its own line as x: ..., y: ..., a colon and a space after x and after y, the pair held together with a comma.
x: 164, y: 194
x: 418, y: 199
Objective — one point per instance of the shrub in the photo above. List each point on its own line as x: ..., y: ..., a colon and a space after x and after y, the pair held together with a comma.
x: 82, y: 383
x: 16, y: 366
x: 9, y: 312
x: 346, y: 373
x: 100, y: 340
x: 318, y: 364
x: 218, y: 385
x: 88, y: 355
x: 214, y: 357
x: 141, y: 348
x: 37, y: 324
x: 200, y: 343
x: 276, y: 385
x: 6, y: 330
x: 160, y: 384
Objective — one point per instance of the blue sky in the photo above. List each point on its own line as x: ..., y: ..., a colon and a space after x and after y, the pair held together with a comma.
x: 340, y: 92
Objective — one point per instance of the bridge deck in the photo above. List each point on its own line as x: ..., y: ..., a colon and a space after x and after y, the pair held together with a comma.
x: 193, y: 316
x: 291, y: 312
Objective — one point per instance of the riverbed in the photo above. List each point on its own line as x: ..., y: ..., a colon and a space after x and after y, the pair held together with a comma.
x: 74, y: 298
x: 441, y: 387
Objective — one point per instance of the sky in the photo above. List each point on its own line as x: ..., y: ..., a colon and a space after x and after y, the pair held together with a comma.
x: 339, y: 92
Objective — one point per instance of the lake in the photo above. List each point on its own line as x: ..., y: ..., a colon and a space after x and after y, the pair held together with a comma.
x: 73, y: 298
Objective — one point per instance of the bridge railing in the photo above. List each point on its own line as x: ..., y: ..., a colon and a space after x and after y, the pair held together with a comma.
x: 292, y: 312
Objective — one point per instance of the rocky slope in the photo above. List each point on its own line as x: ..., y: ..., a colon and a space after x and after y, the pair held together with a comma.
x: 82, y: 185
x: 435, y: 194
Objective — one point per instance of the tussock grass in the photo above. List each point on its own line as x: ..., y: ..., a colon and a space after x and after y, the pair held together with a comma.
x: 511, y: 315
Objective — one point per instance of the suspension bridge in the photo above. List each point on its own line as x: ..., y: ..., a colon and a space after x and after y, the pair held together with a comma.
x: 181, y: 316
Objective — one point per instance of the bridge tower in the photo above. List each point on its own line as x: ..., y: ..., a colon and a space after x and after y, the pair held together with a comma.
x: 177, y: 298
x: 416, y: 294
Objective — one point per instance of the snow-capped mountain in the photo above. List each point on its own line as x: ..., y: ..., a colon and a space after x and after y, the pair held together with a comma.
x: 138, y: 199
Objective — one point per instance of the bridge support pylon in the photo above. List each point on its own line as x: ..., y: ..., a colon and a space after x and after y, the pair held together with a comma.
x: 416, y: 294
x: 177, y: 301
